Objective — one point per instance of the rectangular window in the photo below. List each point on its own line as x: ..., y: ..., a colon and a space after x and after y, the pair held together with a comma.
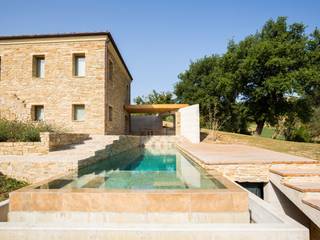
x: 38, y: 113
x: 110, y: 72
x: 38, y: 66
x: 110, y: 113
x: 79, y: 63
x: 78, y: 112
x: 128, y: 94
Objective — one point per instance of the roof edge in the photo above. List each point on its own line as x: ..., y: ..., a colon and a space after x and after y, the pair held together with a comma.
x: 119, y: 54
x: 81, y: 34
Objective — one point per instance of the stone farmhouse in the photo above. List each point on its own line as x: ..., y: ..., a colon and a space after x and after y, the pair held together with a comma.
x: 76, y: 80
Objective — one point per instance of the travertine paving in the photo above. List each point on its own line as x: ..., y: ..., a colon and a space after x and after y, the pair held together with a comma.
x: 239, y: 154
x: 305, y: 184
x: 296, y: 170
x: 312, y: 201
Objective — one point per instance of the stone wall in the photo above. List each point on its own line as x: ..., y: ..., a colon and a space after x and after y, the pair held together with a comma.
x: 117, y: 96
x: 60, y: 89
x: 56, y: 140
x: 243, y: 172
x: 22, y: 148
x: 32, y: 169
x: 49, y: 141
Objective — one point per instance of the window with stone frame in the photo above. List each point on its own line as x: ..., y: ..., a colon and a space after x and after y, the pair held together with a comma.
x: 79, y: 65
x: 78, y: 112
x: 110, y: 72
x: 110, y: 113
x: 38, y: 67
x: 37, y: 113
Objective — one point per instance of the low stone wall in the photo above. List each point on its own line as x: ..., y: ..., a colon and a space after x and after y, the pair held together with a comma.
x: 56, y: 140
x: 22, y: 148
x: 243, y: 172
x: 33, y: 171
x: 49, y: 141
x: 4, y: 209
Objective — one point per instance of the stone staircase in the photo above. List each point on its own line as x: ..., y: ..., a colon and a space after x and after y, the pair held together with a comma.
x: 13, y: 108
x: 301, y: 184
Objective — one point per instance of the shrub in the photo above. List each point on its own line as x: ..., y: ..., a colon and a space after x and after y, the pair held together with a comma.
x: 17, y: 131
x: 8, y: 185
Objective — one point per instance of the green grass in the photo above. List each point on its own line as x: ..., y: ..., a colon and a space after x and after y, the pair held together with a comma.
x: 8, y: 185
x: 267, y: 131
x: 308, y: 150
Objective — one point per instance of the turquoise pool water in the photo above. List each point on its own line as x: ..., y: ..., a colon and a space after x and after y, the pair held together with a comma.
x: 140, y: 169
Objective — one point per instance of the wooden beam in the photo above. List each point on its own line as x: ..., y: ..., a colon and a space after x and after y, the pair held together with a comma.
x: 153, y: 108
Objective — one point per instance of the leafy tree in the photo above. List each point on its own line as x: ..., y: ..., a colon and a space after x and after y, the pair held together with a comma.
x: 269, y: 76
x: 314, y: 125
x: 273, y: 66
x: 155, y: 98
x: 208, y: 83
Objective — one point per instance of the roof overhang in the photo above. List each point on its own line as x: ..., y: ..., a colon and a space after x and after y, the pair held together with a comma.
x: 154, y: 108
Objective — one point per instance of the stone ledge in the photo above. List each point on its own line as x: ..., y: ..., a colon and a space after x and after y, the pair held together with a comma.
x: 49, y: 141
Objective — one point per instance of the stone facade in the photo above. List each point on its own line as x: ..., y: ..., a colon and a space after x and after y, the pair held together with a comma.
x: 243, y: 172
x: 59, y: 90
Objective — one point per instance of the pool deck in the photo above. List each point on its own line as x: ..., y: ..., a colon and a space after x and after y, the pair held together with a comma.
x: 210, y: 154
x: 296, y: 177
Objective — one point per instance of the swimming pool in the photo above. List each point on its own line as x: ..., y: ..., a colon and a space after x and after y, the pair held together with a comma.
x: 140, y: 168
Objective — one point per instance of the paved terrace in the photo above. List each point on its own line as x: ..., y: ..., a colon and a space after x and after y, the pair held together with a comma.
x: 296, y: 177
x: 211, y: 154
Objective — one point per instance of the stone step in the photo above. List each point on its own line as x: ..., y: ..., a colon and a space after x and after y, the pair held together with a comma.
x: 303, y: 184
x: 296, y: 170
x: 312, y: 201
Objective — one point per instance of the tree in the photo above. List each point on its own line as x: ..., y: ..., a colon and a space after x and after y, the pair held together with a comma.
x: 155, y: 98
x: 273, y: 66
x: 208, y: 83
x: 269, y: 77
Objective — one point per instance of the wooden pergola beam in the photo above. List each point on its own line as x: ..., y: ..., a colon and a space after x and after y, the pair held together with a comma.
x: 153, y: 108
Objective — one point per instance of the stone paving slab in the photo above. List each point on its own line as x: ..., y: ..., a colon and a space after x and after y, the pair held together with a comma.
x: 294, y: 170
x: 312, y: 201
x: 210, y: 153
x: 303, y: 184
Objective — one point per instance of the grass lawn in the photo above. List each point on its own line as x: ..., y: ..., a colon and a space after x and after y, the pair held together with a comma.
x: 309, y: 150
x: 267, y: 131
x: 8, y: 185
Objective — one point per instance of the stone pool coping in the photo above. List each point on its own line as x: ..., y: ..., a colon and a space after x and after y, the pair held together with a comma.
x: 230, y: 199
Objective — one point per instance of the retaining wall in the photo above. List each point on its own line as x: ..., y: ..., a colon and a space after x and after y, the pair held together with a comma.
x: 49, y: 141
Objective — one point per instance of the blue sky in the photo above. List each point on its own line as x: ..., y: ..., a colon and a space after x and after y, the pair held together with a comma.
x: 157, y: 39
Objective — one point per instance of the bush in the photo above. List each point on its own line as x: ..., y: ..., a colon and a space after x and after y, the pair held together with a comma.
x: 8, y: 185
x: 16, y: 131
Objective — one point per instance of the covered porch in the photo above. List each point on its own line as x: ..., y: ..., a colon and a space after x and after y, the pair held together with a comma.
x: 153, y: 119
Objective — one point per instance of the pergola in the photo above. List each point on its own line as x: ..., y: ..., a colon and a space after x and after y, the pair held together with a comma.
x: 154, y: 108
x: 145, y: 123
